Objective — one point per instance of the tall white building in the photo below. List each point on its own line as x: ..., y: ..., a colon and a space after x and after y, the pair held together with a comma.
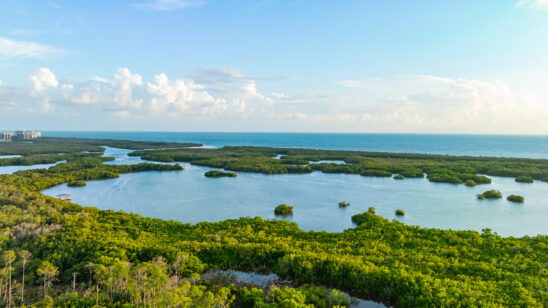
x: 5, y: 136
x: 27, y: 135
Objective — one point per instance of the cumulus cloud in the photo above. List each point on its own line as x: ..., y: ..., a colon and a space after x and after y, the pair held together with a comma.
x: 168, y: 5
x: 126, y: 94
x: 430, y: 102
x: 176, y: 96
x: 414, y: 103
x: 42, y: 79
x: 12, y: 48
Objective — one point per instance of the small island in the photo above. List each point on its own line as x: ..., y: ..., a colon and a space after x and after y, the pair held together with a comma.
x: 524, y: 179
x: 490, y: 194
x: 399, y: 177
x: 78, y: 183
x: 343, y: 204
x: 284, y: 210
x: 470, y: 183
x: 219, y: 174
x: 400, y: 213
x: 515, y: 198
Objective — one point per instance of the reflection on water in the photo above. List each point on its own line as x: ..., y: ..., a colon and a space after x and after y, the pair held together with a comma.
x: 188, y: 196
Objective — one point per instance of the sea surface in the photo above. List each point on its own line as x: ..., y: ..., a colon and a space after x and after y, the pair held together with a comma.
x: 188, y: 196
x: 476, y: 145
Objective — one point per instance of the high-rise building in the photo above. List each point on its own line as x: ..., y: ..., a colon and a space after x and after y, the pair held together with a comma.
x: 5, y: 136
x: 26, y: 135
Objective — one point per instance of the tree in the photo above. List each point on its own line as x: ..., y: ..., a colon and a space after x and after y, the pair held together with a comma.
x: 48, y: 271
x: 9, y: 257
x: 25, y: 256
x: 90, y: 267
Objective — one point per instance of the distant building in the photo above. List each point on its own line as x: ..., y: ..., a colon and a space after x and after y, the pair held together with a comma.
x: 64, y: 197
x: 5, y: 136
x: 26, y: 135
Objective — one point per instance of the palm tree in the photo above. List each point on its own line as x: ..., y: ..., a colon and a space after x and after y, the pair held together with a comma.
x: 90, y: 267
x: 49, y: 271
x: 25, y: 256
x: 9, y: 257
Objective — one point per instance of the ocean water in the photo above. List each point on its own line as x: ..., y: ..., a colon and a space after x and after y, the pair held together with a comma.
x: 189, y: 197
x: 476, y: 145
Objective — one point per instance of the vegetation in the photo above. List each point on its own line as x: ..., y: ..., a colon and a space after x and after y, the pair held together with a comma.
x: 57, y: 254
x: 283, y: 209
x: 515, y: 198
x: 524, y: 179
x: 400, y: 213
x: 399, y: 177
x: 439, y: 168
x: 343, y: 204
x: 78, y: 183
x: 218, y: 174
x: 470, y: 183
x: 490, y: 194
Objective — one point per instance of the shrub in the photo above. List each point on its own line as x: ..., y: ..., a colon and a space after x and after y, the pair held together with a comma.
x: 76, y: 183
x: 371, y: 210
x: 218, y: 174
x: 490, y: 194
x: 398, y: 177
x: 400, y: 212
x: 470, y: 183
x: 524, y: 179
x: 376, y: 172
x: 444, y: 178
x: 343, y: 204
x: 515, y: 198
x: 283, y: 209
x: 412, y: 173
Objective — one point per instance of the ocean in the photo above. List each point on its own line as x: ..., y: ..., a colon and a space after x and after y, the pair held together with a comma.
x: 474, y: 145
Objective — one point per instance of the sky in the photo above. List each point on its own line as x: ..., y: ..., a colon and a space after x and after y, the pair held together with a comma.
x: 364, y: 66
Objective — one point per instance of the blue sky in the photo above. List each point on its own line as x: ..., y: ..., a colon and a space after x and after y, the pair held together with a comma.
x: 274, y: 65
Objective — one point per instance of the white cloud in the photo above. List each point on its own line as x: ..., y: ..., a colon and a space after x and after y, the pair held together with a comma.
x: 412, y: 103
x: 176, y: 96
x: 168, y: 5
x: 536, y: 4
x: 11, y: 48
x: 126, y: 94
x: 430, y: 102
x: 42, y: 79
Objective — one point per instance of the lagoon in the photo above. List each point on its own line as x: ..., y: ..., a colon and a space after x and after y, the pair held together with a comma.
x: 189, y: 197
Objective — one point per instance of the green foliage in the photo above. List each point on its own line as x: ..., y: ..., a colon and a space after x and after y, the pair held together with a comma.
x: 77, y: 183
x: 400, y: 213
x: 524, y: 179
x: 470, y: 183
x: 283, y: 209
x: 515, y: 198
x: 218, y: 174
x: 490, y: 194
x: 440, y: 168
x: 399, y: 177
x: 343, y: 204
x: 323, y: 297
x: 127, y: 260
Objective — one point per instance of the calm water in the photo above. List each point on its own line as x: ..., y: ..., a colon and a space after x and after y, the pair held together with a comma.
x: 12, y: 169
x: 188, y: 196
x: 478, y: 145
